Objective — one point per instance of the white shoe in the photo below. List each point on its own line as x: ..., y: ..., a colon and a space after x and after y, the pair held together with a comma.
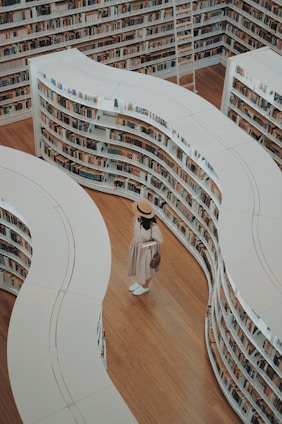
x: 141, y: 290
x: 134, y: 286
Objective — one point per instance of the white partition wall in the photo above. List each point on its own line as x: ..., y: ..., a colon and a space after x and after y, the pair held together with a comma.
x: 219, y: 192
x: 56, y: 372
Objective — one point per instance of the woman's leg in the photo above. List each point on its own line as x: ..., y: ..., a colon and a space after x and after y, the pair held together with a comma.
x: 147, y: 282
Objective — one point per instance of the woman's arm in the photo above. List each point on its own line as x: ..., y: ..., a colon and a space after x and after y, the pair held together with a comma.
x: 156, y: 234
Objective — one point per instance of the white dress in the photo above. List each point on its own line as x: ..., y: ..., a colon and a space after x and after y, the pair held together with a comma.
x: 139, y: 258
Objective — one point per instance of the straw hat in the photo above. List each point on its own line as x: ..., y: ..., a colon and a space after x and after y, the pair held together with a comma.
x: 143, y: 208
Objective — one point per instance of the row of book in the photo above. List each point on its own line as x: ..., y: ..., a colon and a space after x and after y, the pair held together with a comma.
x: 15, y: 250
x: 238, y: 373
x: 264, y: 354
x: 9, y: 217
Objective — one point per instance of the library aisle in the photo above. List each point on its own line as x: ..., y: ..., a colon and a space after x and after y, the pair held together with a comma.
x: 155, y: 345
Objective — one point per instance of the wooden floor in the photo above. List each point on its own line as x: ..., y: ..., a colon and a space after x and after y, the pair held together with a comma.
x: 155, y: 343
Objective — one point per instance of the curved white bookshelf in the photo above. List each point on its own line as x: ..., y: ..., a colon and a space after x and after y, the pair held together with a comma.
x: 56, y: 372
x: 252, y: 97
x: 134, y: 135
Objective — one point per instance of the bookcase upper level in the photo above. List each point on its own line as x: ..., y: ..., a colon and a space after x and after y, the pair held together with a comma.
x: 136, y: 35
x: 252, y: 24
x: 151, y: 37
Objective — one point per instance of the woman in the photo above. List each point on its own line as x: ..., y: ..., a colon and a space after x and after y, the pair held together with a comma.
x: 145, y: 229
